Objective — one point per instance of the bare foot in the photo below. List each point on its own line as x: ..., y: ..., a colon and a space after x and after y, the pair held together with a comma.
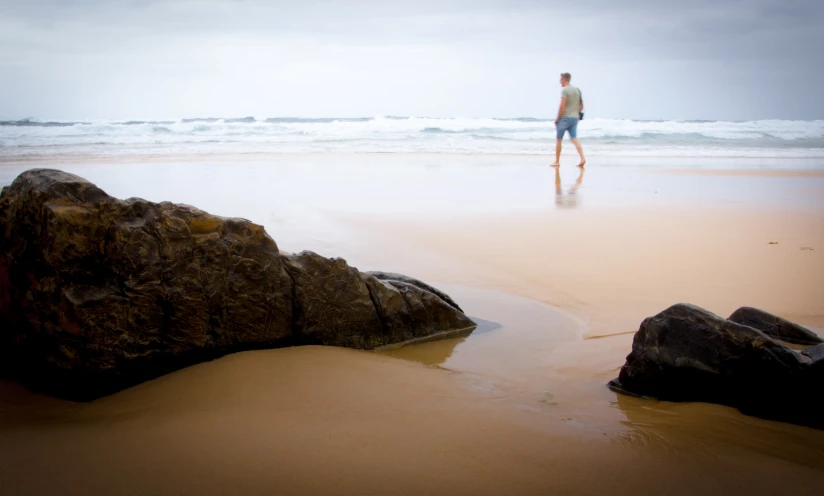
x: 583, y: 163
x: 556, y: 164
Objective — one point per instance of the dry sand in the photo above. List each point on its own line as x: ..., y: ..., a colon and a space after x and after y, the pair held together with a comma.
x: 521, y: 409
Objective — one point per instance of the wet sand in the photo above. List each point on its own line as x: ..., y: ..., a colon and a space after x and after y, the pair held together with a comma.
x: 613, y: 267
x: 324, y: 420
x: 517, y: 407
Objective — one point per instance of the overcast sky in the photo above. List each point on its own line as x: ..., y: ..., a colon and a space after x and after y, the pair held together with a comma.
x: 698, y: 59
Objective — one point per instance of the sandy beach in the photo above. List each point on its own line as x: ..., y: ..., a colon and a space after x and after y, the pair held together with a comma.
x: 558, y: 267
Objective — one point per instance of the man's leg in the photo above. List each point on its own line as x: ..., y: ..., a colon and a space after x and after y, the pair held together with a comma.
x: 560, y: 130
x: 580, y: 151
x: 557, y: 153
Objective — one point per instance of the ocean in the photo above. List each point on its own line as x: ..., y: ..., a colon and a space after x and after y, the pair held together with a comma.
x: 410, y: 135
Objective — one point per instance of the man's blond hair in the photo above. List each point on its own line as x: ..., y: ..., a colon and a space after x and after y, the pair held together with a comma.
x: 566, y: 76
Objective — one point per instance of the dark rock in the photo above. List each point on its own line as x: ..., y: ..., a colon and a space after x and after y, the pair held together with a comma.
x: 814, y: 353
x: 816, y: 356
x: 97, y: 293
x: 774, y: 326
x: 390, y: 276
x: 333, y: 303
x: 686, y: 353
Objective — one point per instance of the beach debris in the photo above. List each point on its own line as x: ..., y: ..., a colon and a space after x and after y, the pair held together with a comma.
x: 97, y: 293
x: 686, y: 353
x: 773, y: 243
x: 806, y: 248
x: 547, y: 398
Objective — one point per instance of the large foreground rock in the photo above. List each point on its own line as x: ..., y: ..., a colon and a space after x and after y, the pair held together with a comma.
x: 686, y: 353
x: 98, y: 293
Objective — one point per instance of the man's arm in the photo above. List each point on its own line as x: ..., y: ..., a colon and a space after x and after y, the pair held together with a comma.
x: 561, y: 109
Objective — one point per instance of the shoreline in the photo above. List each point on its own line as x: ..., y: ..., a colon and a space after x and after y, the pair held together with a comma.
x: 816, y: 168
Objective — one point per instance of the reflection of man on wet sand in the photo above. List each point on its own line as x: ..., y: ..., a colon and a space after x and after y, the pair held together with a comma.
x: 570, y: 200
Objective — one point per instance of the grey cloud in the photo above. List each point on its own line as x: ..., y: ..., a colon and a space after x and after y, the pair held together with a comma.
x: 707, y: 29
x: 89, y: 52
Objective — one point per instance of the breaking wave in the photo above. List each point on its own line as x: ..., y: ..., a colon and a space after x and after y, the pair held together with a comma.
x: 410, y: 135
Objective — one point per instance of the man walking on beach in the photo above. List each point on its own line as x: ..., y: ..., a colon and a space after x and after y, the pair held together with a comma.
x: 567, y: 120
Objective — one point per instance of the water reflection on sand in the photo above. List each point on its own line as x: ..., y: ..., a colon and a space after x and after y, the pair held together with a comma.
x: 513, y: 361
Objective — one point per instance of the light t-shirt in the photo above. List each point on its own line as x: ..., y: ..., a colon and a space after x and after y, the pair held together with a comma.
x: 573, y: 101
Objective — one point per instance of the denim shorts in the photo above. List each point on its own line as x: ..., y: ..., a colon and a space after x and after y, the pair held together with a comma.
x: 566, y: 124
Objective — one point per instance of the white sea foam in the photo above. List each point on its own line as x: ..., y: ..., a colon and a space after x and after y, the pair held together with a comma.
x: 618, y: 137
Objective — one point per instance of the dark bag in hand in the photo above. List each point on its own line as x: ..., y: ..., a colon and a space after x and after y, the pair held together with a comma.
x: 581, y: 96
